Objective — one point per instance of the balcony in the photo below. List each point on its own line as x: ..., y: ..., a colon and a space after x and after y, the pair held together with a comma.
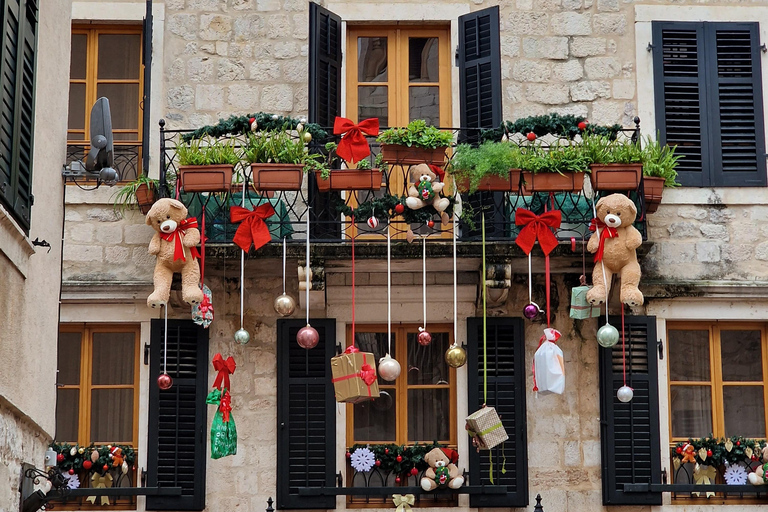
x: 127, y: 158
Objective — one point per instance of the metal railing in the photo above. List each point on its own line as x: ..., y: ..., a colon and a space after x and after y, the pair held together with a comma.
x: 126, y: 158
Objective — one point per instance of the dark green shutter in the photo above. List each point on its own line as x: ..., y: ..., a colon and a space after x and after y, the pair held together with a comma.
x: 306, y: 416
x: 177, y: 438
x: 506, y: 392
x: 629, y: 432
x: 17, y: 90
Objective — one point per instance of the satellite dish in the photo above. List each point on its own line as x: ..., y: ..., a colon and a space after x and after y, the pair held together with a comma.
x: 100, y: 157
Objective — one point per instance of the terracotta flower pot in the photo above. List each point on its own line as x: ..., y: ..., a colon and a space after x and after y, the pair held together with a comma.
x: 553, y: 182
x: 350, y: 179
x: 145, y: 197
x: 412, y: 155
x: 494, y: 183
x: 205, y: 178
x: 277, y: 176
x: 653, y: 188
x: 616, y: 177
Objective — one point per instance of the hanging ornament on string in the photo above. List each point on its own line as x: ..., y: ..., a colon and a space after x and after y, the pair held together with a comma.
x: 164, y: 380
x: 307, y: 336
x: 202, y: 313
x: 241, y: 335
x: 607, y: 335
x: 625, y: 393
x: 389, y: 368
x: 455, y: 356
x: 424, y: 338
x: 284, y: 303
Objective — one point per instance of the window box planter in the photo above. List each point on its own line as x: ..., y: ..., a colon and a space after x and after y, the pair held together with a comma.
x: 412, y: 155
x: 350, y: 179
x: 206, y: 178
x: 145, y: 197
x: 553, y: 182
x: 616, y: 177
x: 277, y: 176
x: 495, y: 183
x: 653, y: 188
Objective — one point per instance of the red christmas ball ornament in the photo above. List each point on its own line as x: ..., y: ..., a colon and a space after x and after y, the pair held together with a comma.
x: 754, y: 457
x: 307, y: 337
x: 378, y: 463
x: 60, y: 457
x: 349, y: 455
x: 679, y: 449
x: 164, y: 381
x: 399, y: 458
x: 583, y: 125
x: 386, y: 450
x: 87, y: 465
x: 531, y: 136
x: 738, y: 443
x: 709, y: 453
x: 414, y: 471
x: 399, y: 208
x: 397, y: 480
x: 106, y: 467
x: 431, y: 223
x: 71, y: 471
x: 424, y: 338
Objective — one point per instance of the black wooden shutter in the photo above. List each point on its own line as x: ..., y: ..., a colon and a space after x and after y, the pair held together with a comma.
x: 506, y: 392
x: 479, y: 63
x: 177, y: 440
x: 629, y: 432
x: 306, y: 416
x: 17, y: 78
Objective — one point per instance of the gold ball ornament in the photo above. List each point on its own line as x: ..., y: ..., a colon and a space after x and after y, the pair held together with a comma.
x: 307, y: 137
x: 455, y: 356
x: 81, y: 451
x: 285, y: 305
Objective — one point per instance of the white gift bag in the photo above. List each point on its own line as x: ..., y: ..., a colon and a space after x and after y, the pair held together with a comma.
x: 548, y: 366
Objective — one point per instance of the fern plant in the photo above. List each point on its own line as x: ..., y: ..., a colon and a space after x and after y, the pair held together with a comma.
x: 488, y: 159
x: 418, y: 134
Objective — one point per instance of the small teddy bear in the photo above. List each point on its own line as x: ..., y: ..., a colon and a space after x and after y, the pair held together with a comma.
x: 614, y: 243
x: 174, y: 245
x: 424, y: 189
x: 442, y: 471
x: 758, y: 477
x: 116, y: 454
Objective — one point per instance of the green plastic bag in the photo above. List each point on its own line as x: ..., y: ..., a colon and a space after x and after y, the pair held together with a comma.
x: 223, y: 430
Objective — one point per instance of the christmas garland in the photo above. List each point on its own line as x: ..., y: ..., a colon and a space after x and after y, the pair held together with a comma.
x: 567, y: 126
x: 386, y: 207
x: 73, y: 457
x: 238, y: 125
x: 711, y: 451
x: 398, y: 459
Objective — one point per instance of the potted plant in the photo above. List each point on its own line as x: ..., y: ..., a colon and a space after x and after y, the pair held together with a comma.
x: 278, y: 159
x: 615, y: 165
x: 206, y: 165
x: 559, y: 168
x: 361, y: 177
x: 659, y: 163
x: 491, y: 166
x: 141, y: 192
x: 415, y: 144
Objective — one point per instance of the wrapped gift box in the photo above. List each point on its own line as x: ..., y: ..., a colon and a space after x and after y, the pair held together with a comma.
x: 354, y: 376
x: 581, y: 309
x: 486, y: 426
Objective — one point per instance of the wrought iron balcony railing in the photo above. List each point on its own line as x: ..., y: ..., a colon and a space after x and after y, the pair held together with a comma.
x: 126, y: 156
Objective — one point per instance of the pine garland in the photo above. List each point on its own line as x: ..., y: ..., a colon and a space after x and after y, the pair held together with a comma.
x: 384, y: 208
x: 238, y: 125
x: 716, y: 450
x: 83, y: 453
x: 553, y: 124
x: 410, y: 456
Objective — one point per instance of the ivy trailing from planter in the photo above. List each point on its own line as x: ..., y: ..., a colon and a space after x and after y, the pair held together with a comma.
x: 567, y: 126
x: 239, y: 125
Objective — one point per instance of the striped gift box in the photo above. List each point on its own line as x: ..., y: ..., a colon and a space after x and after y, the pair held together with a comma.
x: 486, y: 426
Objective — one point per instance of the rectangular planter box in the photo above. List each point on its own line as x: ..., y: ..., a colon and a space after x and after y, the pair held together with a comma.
x: 616, y: 177
x: 494, y: 183
x: 553, y: 182
x: 205, y: 178
x: 350, y: 179
x: 277, y: 176
x: 653, y: 188
x: 412, y: 155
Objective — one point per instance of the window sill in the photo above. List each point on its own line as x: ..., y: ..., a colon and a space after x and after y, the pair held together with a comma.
x: 388, y: 491
x: 14, y: 243
x: 715, y: 196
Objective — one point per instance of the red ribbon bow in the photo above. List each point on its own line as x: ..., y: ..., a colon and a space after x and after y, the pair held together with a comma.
x: 368, y: 374
x: 351, y: 349
x: 353, y: 147
x: 605, y: 232
x: 225, y: 406
x: 177, y: 237
x: 225, y: 369
x: 252, y: 229
x: 536, y: 227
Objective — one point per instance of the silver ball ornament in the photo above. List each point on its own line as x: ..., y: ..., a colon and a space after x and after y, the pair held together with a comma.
x: 307, y: 337
x: 242, y: 336
x: 389, y: 369
x: 607, y: 336
x: 285, y: 305
x: 625, y: 394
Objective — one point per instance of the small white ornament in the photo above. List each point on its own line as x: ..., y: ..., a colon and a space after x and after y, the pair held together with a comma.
x: 625, y: 394
x: 124, y: 467
x: 735, y: 475
x: 254, y: 126
x: 362, y: 460
x: 275, y: 117
x: 73, y: 451
x: 299, y: 127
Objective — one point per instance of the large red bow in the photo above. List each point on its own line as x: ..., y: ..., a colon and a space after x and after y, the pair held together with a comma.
x: 353, y: 147
x: 252, y: 229
x: 225, y: 369
x: 536, y: 227
x: 605, y: 232
x: 225, y: 406
x: 177, y: 237
x: 368, y: 374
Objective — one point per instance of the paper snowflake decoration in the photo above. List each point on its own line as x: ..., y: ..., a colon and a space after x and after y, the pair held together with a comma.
x: 73, y: 482
x: 362, y: 460
x: 735, y: 475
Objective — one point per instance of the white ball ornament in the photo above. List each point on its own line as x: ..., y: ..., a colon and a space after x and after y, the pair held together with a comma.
x: 389, y: 369
x: 625, y: 394
x: 373, y: 222
x: 242, y: 336
x: 607, y: 336
x: 73, y: 451
x: 275, y: 117
x: 124, y: 468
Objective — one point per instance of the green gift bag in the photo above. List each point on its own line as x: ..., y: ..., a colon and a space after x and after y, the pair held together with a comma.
x: 580, y: 308
x: 223, y: 430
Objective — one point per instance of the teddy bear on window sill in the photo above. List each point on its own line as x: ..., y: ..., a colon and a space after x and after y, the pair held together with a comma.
x: 442, y: 471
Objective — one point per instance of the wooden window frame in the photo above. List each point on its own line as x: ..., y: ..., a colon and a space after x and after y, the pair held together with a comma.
x: 401, y: 385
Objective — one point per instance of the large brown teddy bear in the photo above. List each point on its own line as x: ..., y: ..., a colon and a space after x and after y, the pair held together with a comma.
x: 424, y: 189
x: 442, y: 471
x: 615, y: 249
x: 174, y: 245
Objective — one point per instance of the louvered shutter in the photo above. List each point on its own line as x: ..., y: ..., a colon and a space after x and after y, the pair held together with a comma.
x: 629, y: 432
x: 306, y: 416
x: 177, y: 440
x: 506, y: 392
x: 480, y: 69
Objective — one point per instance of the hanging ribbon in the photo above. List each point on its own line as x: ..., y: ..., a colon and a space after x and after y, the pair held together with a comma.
x: 605, y: 232
x: 537, y: 227
x: 225, y: 369
x: 177, y: 237
x: 252, y: 227
x: 704, y: 475
x: 353, y: 147
x: 225, y: 406
x: 100, y: 482
x: 403, y: 502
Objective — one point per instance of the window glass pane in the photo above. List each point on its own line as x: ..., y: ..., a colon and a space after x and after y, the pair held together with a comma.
x: 371, y: 59
x: 691, y: 410
x: 119, y: 56
x: 76, y: 107
x: 688, y: 355
x: 424, y: 103
x: 742, y: 355
x: 78, y: 57
x: 67, y: 413
x: 376, y: 343
x: 426, y: 365
x: 744, y: 411
x: 69, y: 358
x: 113, y: 357
x: 123, y: 104
x: 423, y: 63
x: 127, y: 136
x: 375, y: 419
x: 429, y: 411
x: 112, y: 415
x: 372, y: 101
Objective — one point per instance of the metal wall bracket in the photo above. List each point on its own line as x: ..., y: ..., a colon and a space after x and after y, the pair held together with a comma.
x: 660, y: 345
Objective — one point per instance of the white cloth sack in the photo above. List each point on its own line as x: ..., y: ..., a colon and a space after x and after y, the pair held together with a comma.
x: 548, y: 366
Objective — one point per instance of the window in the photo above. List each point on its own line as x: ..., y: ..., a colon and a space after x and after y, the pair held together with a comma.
x: 106, y: 61
x: 17, y: 76
x: 709, y: 103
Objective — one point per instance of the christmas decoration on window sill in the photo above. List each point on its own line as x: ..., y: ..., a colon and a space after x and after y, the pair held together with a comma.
x: 735, y: 474
x: 403, y: 502
x: 398, y: 459
x: 239, y: 125
x: 362, y: 460
x: 99, y: 481
x: 442, y: 471
x: 712, y: 451
x: 93, y: 458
